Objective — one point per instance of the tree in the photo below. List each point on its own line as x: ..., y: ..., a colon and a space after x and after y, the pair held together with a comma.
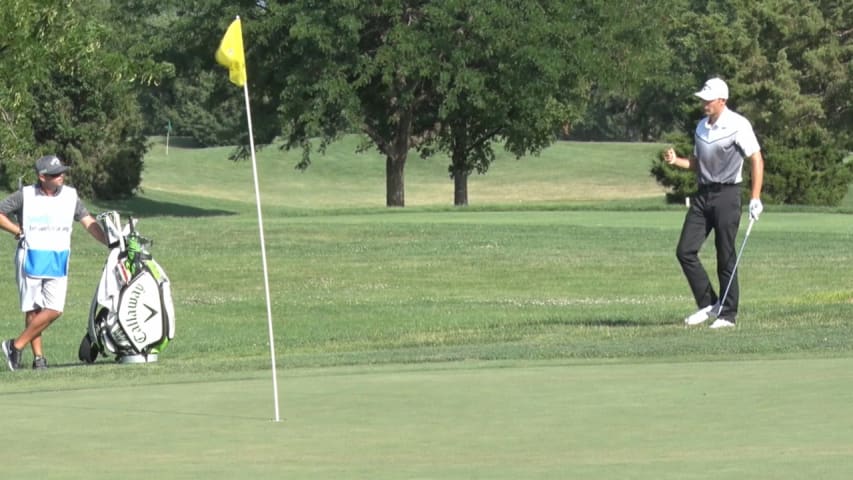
x: 175, y: 39
x: 428, y: 76
x: 19, y: 27
x: 517, y: 75
x: 462, y: 77
x: 499, y: 73
x: 350, y: 66
x: 786, y: 63
x: 71, y: 94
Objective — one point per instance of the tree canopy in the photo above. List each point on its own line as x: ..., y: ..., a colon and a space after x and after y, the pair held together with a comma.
x: 429, y: 76
x: 519, y: 75
x: 65, y: 90
x: 87, y: 79
x: 788, y: 67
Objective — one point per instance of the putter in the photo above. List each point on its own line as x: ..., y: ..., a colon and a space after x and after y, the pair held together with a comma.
x: 737, y: 261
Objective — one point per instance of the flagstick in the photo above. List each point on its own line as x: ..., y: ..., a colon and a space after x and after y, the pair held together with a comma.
x: 263, y: 250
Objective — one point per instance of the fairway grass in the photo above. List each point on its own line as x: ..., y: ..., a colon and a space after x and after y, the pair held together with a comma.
x: 570, y: 172
x: 535, y: 334
x: 762, y: 419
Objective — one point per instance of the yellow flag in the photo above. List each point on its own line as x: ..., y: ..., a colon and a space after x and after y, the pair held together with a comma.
x: 230, y: 53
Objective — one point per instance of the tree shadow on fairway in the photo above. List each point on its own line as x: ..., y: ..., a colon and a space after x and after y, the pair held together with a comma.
x: 80, y: 364
x: 145, y: 207
x: 615, y: 322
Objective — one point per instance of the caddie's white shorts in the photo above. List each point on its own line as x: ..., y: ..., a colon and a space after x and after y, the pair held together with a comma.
x: 39, y: 293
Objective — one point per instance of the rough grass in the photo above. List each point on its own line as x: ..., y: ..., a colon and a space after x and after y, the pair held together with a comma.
x: 535, y: 334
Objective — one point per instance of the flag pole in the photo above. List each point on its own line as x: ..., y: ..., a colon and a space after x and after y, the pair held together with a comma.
x: 231, y: 55
x: 263, y: 251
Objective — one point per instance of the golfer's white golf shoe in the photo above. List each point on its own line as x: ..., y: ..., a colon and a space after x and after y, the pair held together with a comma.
x: 702, y: 315
x: 722, y: 323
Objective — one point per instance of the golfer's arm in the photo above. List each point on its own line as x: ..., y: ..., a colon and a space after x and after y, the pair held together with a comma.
x: 757, y: 161
x: 687, y: 163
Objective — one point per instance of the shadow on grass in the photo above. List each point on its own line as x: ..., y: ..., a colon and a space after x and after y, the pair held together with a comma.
x: 616, y: 323
x: 611, y: 322
x: 139, y: 207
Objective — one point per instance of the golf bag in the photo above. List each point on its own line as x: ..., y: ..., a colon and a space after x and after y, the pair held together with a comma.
x: 131, y: 316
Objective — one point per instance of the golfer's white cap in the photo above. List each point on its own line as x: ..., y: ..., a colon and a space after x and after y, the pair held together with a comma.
x: 713, y: 89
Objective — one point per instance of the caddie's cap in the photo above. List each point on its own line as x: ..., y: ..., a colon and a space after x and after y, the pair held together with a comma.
x: 50, y: 165
x: 713, y: 89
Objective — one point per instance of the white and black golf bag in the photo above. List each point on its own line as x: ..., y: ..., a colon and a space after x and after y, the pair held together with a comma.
x: 131, y: 316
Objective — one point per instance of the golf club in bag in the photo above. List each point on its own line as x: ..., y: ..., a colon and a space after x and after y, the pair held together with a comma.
x: 131, y: 316
x: 734, y: 270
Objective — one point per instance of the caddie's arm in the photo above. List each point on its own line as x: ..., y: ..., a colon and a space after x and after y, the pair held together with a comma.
x: 10, y: 226
x: 94, y: 228
x: 671, y: 158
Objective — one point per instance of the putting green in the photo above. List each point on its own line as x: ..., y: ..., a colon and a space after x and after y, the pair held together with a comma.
x: 745, y: 419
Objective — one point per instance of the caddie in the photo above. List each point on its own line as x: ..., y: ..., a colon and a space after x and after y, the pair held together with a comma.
x: 46, y: 212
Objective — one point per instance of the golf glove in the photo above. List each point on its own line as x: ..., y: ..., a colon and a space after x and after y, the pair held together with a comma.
x: 755, y: 208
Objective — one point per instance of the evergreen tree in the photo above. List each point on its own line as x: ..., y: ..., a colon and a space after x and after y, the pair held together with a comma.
x: 768, y: 52
x: 68, y: 92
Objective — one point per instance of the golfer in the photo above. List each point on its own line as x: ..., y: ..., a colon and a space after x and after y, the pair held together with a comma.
x: 47, y: 211
x: 722, y: 140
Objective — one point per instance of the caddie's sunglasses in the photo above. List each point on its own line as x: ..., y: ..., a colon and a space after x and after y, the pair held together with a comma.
x: 53, y: 175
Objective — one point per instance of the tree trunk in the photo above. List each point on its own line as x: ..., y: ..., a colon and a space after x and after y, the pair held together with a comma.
x: 460, y: 189
x: 395, y: 185
x: 459, y: 168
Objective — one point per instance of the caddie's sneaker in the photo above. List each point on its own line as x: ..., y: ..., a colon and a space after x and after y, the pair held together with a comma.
x: 39, y: 363
x: 722, y: 323
x: 13, y: 355
x: 701, y: 316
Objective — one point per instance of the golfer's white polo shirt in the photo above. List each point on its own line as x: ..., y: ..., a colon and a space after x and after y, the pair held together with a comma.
x: 720, y: 148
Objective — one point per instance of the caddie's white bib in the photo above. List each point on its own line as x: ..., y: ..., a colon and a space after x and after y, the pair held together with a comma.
x: 47, y: 222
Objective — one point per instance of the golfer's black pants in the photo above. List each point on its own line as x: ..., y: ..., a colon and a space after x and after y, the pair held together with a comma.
x: 715, y: 207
